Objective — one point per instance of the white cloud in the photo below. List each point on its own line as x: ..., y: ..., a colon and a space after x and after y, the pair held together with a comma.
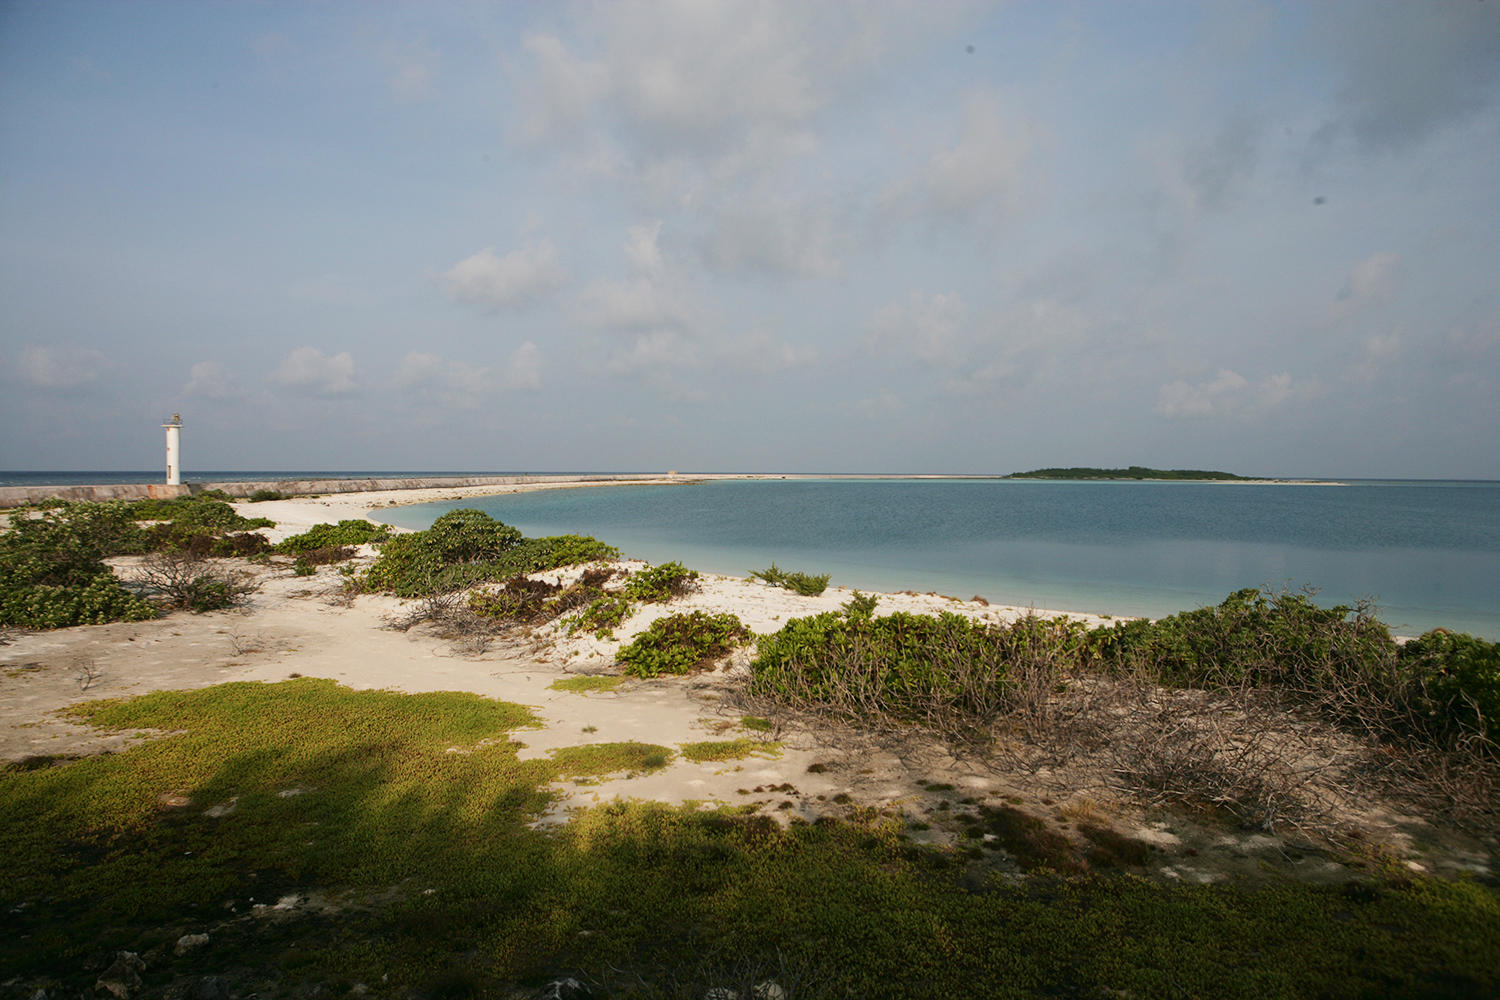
x: 60, y: 367
x: 524, y: 370
x: 310, y: 368
x: 411, y: 67
x: 927, y: 327
x: 651, y: 299
x: 777, y: 238
x: 211, y: 380
x: 520, y: 277
x: 1228, y: 394
x: 712, y: 91
x: 1183, y: 399
x: 1371, y: 278
x: 761, y: 353
x: 653, y: 353
x: 883, y: 404
x: 433, y: 379
x: 980, y: 175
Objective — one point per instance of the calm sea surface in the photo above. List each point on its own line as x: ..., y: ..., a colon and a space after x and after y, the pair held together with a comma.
x: 1427, y: 552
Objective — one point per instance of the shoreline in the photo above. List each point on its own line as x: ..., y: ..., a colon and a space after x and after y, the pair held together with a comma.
x: 15, y: 496
x: 307, y: 627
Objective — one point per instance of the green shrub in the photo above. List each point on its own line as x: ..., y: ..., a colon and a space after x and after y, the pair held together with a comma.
x: 415, y: 565
x: 1257, y: 638
x: 260, y: 496
x: 678, y: 644
x: 601, y: 617
x: 659, y: 584
x: 945, y: 672
x: 860, y: 606
x: 1459, y: 675
x: 52, y: 571
x: 346, y: 532
x: 535, y: 602
x: 468, y: 535
x: 803, y: 583
x: 206, y: 512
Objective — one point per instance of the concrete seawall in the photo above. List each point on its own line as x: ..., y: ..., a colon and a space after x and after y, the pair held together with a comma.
x: 14, y: 496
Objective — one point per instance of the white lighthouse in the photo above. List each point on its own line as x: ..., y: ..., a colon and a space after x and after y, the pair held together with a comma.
x: 174, y: 450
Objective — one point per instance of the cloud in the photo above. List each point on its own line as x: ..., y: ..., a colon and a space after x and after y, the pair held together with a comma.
x: 524, y: 370
x: 690, y: 94
x: 519, y: 278
x: 778, y: 238
x: 1410, y: 69
x: 1372, y: 278
x: 411, y: 67
x: 1213, y: 170
x: 211, y: 380
x: 60, y: 367
x: 1227, y: 394
x: 435, y: 380
x: 927, y: 327
x: 651, y: 298
x: 310, y: 368
x: 761, y: 353
x: 656, y: 352
x: 980, y: 174
x: 883, y: 404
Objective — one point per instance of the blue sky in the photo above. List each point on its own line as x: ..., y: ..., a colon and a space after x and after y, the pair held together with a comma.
x: 752, y: 236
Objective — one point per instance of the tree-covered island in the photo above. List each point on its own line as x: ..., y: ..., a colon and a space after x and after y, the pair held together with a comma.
x: 1134, y: 472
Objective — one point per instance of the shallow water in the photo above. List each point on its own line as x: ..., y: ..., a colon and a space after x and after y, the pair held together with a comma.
x: 1427, y: 552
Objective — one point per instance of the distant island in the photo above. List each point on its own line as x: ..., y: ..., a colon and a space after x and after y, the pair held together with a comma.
x: 1134, y: 472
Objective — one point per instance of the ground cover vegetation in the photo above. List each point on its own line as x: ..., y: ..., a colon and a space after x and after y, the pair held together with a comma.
x: 310, y: 838
x: 806, y: 584
x: 53, y: 574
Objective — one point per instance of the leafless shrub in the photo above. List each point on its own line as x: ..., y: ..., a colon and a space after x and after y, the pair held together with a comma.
x: 185, y: 579
x: 85, y: 672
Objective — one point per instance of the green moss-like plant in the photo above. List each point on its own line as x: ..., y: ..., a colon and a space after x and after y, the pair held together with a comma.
x: 715, y: 750
x: 583, y: 685
x: 597, y: 759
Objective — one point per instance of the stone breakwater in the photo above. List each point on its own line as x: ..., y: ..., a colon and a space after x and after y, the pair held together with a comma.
x: 14, y: 496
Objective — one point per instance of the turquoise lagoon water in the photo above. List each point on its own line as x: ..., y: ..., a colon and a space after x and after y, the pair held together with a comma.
x: 1428, y: 553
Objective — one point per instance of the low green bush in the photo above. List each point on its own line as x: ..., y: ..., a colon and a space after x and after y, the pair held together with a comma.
x: 347, y: 532
x: 1459, y: 675
x: 534, y: 602
x: 601, y: 617
x: 420, y: 564
x: 52, y: 571
x: 659, y: 584
x: 945, y: 672
x: 678, y: 644
x: 260, y: 496
x: 806, y: 584
x: 1257, y: 638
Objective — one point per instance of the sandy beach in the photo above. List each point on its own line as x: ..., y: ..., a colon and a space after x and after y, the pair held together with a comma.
x: 302, y: 626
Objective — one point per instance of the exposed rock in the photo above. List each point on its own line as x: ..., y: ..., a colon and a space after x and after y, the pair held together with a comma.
x: 122, y: 979
x: 199, y: 988
x: 188, y: 942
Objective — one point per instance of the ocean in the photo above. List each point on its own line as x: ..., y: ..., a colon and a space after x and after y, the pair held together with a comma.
x: 1426, y: 552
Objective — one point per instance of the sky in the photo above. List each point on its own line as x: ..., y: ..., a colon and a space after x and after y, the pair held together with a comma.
x: 752, y: 236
